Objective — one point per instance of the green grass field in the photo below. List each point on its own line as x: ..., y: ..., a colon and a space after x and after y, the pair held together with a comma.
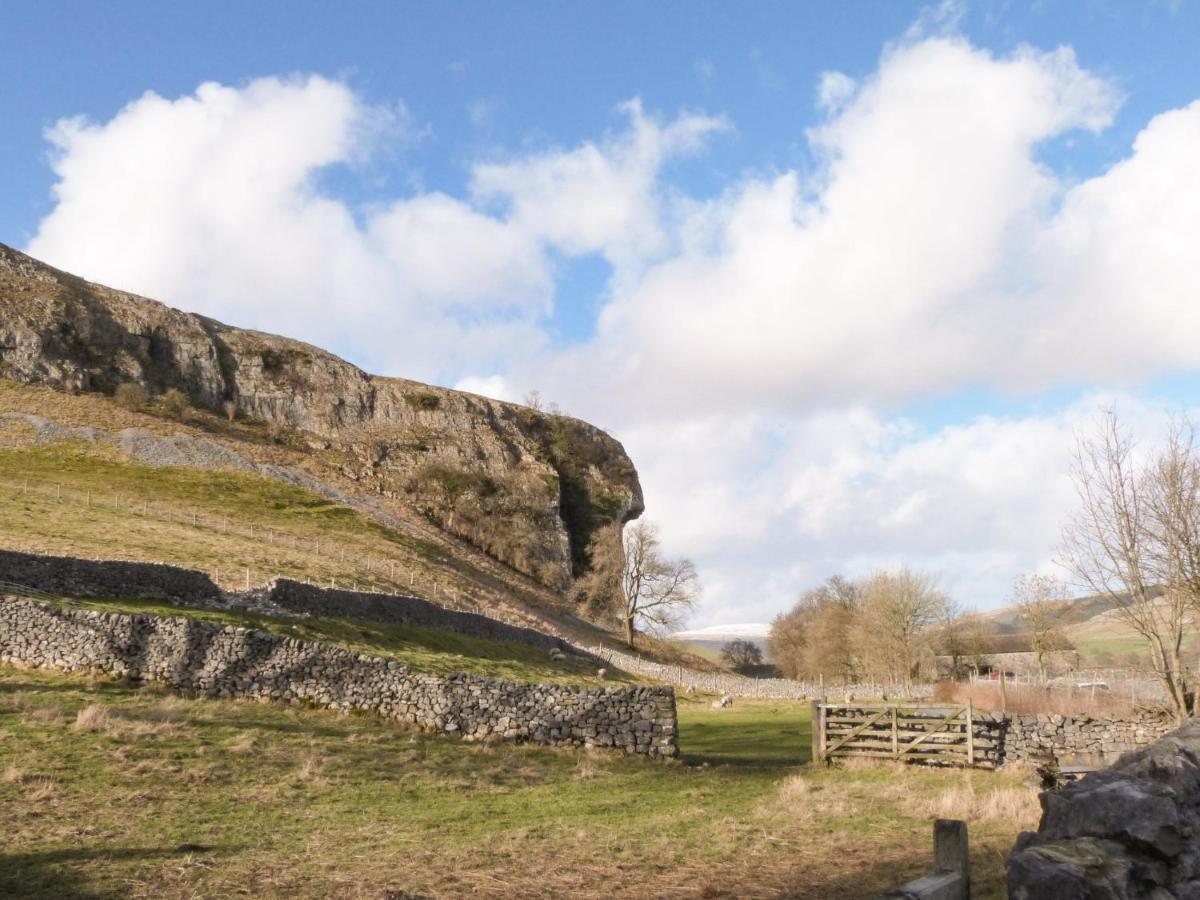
x: 139, y: 511
x: 110, y: 790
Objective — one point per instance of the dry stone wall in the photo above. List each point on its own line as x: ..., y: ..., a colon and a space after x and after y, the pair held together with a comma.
x: 73, y: 577
x: 742, y: 686
x: 1081, y: 740
x: 211, y: 660
x: 298, y: 597
x: 106, y: 578
x: 1130, y: 831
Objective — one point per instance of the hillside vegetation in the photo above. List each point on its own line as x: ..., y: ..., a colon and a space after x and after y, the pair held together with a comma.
x: 208, y: 798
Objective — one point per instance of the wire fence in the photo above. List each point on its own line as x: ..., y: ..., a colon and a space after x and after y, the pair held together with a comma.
x: 358, y: 569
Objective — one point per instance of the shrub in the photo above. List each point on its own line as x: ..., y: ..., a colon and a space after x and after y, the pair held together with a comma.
x: 423, y: 400
x: 175, y: 403
x: 131, y: 396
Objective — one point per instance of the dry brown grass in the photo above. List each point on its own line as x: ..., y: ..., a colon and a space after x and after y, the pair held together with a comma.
x: 95, y: 718
x: 14, y: 775
x: 244, y: 743
x: 1036, y: 699
x: 312, y: 770
x: 980, y: 800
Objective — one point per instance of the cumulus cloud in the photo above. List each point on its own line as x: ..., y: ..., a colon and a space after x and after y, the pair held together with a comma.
x: 597, y: 198
x: 213, y: 202
x: 771, y: 507
x: 903, y: 265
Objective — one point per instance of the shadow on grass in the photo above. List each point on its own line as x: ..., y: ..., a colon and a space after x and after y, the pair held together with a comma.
x: 52, y: 875
x: 106, y: 686
x: 735, y: 741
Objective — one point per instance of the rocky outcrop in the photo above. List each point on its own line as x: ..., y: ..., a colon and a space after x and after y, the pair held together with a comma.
x: 1130, y: 831
x: 221, y: 661
x: 527, y: 487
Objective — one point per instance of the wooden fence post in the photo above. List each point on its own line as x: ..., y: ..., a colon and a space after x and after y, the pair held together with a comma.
x: 818, y: 732
x: 970, y: 745
x: 896, y: 732
x: 951, y: 877
x: 950, y: 850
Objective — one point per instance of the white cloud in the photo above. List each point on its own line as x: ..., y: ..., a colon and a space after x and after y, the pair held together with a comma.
x: 834, y: 90
x: 768, y: 508
x: 598, y: 198
x: 902, y: 266
x: 211, y: 202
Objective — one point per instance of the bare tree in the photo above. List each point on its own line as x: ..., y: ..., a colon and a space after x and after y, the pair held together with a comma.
x: 814, y: 639
x: 632, y: 581
x: 1128, y: 540
x: 1040, y: 604
x: 742, y: 655
x: 955, y: 632
x: 656, y: 592
x: 899, y: 612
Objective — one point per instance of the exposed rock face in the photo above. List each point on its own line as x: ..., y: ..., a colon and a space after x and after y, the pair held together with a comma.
x: 526, y: 487
x: 1129, y: 831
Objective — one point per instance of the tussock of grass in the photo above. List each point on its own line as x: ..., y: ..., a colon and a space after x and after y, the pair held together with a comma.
x: 93, y: 718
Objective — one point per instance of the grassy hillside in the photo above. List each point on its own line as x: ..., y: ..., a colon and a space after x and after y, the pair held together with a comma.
x: 113, y: 791
x: 87, y: 500
x: 171, y: 494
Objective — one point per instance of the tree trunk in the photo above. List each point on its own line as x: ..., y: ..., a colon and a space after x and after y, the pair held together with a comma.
x: 629, y: 632
x: 1183, y: 710
x: 1162, y: 665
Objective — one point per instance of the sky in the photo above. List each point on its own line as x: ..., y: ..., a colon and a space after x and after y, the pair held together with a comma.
x: 846, y: 279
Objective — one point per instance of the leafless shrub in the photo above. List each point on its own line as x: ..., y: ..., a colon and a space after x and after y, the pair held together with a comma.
x: 131, y: 396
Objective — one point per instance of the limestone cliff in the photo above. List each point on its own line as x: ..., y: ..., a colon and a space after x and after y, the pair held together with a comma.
x: 527, y: 487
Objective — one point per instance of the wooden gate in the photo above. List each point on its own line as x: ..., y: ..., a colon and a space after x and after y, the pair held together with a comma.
x: 935, y: 734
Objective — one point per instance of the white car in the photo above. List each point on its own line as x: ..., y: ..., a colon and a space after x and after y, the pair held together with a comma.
x: 1093, y: 685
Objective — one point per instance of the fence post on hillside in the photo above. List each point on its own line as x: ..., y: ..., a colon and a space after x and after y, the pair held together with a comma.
x: 818, y: 732
x: 970, y: 736
x: 896, y: 732
x: 247, y: 579
x: 1003, y: 693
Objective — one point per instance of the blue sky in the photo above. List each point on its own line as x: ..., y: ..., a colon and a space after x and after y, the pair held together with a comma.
x: 463, y: 125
